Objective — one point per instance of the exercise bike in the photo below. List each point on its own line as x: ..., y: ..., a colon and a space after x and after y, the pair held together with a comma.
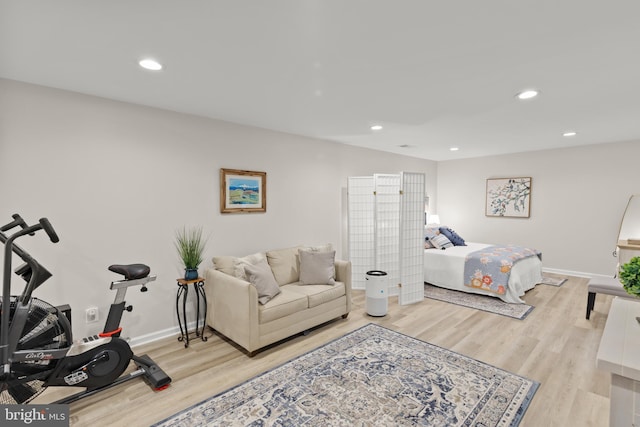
x: 36, y: 345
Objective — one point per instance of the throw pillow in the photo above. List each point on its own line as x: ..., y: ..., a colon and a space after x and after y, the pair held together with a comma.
x: 441, y: 242
x: 453, y: 236
x: 260, y: 276
x: 321, y: 248
x: 317, y: 268
x: 428, y: 244
x: 240, y: 263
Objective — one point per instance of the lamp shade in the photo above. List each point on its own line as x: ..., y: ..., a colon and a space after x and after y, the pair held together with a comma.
x: 434, y: 219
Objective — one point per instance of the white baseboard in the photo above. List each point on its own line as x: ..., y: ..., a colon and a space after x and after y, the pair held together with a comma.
x: 574, y: 273
x: 158, y: 335
x: 175, y: 331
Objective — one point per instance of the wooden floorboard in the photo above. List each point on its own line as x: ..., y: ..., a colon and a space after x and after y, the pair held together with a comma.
x: 554, y: 345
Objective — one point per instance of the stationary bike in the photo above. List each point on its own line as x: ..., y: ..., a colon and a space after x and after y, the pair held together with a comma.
x: 36, y: 345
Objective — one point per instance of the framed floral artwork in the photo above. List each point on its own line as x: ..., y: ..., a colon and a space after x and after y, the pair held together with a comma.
x: 508, y: 197
x: 242, y: 191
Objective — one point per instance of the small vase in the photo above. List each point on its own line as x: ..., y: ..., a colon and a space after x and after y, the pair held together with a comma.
x: 190, y: 273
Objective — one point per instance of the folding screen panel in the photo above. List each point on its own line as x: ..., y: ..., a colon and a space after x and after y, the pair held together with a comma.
x: 360, y: 190
x: 411, y: 238
x: 386, y: 226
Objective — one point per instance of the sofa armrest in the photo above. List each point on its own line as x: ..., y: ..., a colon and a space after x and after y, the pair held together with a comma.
x: 343, y: 274
x: 232, y: 307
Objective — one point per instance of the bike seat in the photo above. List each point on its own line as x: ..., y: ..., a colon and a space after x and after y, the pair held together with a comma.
x: 131, y: 271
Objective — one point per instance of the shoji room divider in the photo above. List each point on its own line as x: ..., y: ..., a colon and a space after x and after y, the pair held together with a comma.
x: 386, y: 231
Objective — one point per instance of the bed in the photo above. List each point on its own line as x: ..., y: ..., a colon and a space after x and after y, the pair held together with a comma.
x: 445, y: 268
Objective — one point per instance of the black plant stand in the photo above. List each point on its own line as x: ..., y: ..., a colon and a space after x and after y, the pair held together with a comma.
x: 183, y: 291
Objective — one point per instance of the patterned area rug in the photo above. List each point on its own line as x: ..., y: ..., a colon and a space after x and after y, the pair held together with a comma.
x: 479, y: 302
x: 552, y: 281
x: 372, y: 376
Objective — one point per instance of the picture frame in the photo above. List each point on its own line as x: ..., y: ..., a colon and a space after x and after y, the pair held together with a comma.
x: 242, y: 191
x: 508, y: 197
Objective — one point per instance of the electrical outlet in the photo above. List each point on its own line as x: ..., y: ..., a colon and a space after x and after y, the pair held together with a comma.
x: 92, y: 314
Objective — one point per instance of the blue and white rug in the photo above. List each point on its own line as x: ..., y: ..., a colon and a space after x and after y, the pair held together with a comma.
x: 372, y: 376
x: 478, y: 302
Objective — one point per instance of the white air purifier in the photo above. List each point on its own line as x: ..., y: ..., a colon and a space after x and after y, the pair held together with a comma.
x: 377, y: 292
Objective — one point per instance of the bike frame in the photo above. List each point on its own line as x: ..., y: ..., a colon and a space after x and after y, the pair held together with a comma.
x: 35, y: 274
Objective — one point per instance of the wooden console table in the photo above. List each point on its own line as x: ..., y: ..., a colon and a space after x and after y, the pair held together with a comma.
x: 619, y: 353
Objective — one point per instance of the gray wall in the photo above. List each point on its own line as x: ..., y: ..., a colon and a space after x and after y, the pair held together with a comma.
x: 117, y: 180
x: 577, y: 201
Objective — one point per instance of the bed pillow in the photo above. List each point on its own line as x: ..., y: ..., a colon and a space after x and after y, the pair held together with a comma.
x: 430, y: 231
x: 453, y: 236
x: 441, y: 241
x: 317, y: 268
x: 261, y: 276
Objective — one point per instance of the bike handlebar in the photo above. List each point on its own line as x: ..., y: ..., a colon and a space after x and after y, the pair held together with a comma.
x: 48, y: 228
x: 17, y: 221
x: 33, y: 273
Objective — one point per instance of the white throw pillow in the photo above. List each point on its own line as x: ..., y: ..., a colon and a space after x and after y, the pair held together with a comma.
x: 317, y: 268
x: 260, y: 276
x: 240, y: 263
x: 320, y: 248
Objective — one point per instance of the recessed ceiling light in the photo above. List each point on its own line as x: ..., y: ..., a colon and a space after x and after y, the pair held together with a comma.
x: 570, y: 133
x: 453, y: 149
x: 150, y: 64
x: 376, y: 127
x: 528, y: 94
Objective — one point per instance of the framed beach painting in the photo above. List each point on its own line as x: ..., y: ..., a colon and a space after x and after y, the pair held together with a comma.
x: 508, y: 197
x: 242, y: 191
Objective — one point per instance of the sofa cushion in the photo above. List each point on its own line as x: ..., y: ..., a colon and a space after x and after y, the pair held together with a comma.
x: 284, y: 264
x: 317, y: 268
x: 289, y: 301
x: 224, y: 264
x: 260, y: 276
x: 320, y: 294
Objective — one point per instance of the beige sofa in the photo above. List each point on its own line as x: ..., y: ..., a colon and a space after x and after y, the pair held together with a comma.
x: 234, y: 309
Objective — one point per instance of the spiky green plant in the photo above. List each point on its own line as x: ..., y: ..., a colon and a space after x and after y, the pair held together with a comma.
x: 190, y: 246
x: 630, y: 276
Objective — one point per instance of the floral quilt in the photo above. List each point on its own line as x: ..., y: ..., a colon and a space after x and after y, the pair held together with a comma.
x: 489, y: 268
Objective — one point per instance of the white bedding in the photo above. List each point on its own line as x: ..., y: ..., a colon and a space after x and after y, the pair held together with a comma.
x: 445, y: 268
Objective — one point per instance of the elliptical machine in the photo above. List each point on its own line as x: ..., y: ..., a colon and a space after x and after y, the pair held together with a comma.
x: 36, y: 345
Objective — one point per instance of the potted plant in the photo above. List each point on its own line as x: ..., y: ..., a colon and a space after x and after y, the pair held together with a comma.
x: 630, y: 276
x: 190, y: 246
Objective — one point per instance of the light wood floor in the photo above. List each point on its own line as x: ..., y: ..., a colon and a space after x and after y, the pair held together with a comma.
x: 555, y: 345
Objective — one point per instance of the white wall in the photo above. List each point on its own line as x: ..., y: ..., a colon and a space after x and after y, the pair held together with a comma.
x: 116, y: 180
x: 577, y: 201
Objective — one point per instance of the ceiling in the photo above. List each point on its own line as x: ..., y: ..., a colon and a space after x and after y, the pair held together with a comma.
x: 434, y: 74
